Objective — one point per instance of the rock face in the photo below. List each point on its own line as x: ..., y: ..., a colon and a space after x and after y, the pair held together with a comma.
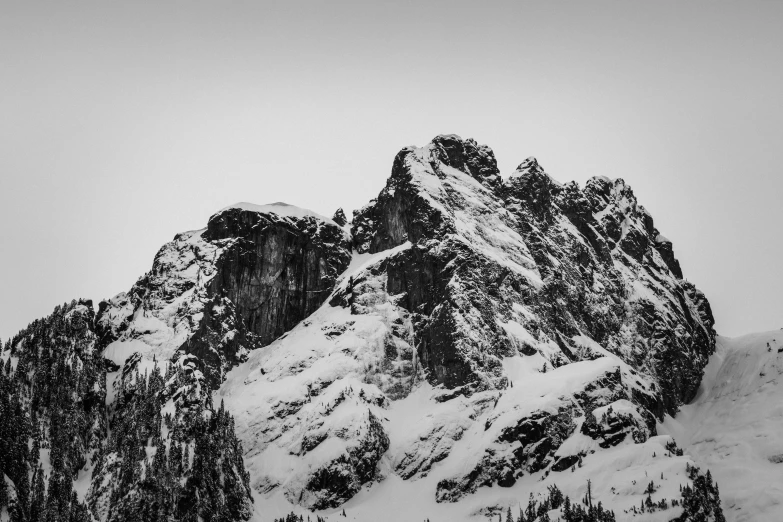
x: 582, y: 261
x: 217, y: 293
x: 276, y: 272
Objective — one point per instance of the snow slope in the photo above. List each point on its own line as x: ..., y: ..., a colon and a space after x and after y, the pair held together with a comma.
x: 296, y: 389
x: 734, y: 427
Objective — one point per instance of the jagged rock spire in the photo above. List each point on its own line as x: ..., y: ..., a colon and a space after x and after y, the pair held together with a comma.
x: 339, y: 217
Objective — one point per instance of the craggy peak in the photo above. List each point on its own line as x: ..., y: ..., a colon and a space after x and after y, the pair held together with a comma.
x: 469, y: 346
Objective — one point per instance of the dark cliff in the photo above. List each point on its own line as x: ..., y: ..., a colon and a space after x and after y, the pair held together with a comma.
x: 235, y: 286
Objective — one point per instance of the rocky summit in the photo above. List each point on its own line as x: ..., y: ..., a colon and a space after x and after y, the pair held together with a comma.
x: 469, y: 345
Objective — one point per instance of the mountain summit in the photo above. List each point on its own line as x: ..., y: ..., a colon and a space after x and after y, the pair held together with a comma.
x: 466, y: 344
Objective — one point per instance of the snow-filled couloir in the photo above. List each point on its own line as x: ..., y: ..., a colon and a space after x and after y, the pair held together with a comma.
x: 735, y: 425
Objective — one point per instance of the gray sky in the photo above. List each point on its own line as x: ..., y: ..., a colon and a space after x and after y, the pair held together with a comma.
x: 121, y: 125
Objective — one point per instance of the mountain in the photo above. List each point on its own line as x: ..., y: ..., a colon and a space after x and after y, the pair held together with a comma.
x: 468, y: 343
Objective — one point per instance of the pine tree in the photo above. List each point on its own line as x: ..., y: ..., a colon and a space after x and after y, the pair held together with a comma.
x: 38, y: 498
x: 530, y: 512
x: 589, y: 494
x: 567, y: 514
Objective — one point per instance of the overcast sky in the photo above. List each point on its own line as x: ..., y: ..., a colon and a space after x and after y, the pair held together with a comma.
x: 121, y: 125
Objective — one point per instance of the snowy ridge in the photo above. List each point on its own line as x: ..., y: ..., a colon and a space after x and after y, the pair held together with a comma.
x: 478, y: 218
x: 162, y: 310
x: 281, y: 209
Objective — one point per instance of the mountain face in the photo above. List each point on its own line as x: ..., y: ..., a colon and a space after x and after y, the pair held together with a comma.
x: 466, y: 341
x: 218, y: 293
x: 582, y: 261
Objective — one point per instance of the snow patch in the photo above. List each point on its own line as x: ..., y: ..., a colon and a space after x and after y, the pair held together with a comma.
x: 281, y: 209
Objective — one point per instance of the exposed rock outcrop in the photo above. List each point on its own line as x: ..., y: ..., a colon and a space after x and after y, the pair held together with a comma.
x: 218, y: 293
x: 583, y: 261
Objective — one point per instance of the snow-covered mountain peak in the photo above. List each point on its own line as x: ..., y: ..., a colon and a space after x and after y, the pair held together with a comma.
x: 529, y: 165
x: 466, y: 341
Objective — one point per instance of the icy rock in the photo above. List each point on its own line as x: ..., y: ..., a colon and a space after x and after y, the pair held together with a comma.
x: 614, y: 422
x: 235, y: 286
x: 578, y: 260
x: 339, y: 217
x: 335, y: 482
